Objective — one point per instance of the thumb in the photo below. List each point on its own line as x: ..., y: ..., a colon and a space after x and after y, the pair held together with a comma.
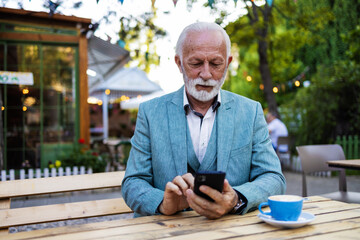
x: 227, y: 186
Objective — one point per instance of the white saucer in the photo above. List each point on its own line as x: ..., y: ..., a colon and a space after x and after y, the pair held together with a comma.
x: 304, y: 219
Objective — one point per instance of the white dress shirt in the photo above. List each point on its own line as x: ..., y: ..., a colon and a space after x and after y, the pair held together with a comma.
x: 200, y: 128
x: 278, y: 129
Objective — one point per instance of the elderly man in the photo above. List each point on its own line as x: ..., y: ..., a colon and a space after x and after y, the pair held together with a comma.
x: 201, y: 127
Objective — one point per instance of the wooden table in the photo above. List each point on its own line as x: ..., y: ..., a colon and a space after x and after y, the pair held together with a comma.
x: 333, y: 220
x: 349, y: 164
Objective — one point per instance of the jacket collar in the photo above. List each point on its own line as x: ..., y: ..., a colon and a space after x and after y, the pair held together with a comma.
x: 177, y: 130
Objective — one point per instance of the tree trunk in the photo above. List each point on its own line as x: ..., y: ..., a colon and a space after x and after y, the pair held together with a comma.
x: 266, y: 76
x: 261, y: 32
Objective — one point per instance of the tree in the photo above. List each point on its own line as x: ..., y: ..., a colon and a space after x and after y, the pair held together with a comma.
x: 329, y: 107
x: 259, y: 17
x: 282, y: 42
x: 132, y: 32
x: 261, y: 27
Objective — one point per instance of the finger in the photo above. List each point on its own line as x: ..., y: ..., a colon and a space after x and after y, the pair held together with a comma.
x: 227, y: 186
x: 180, y: 182
x: 201, y: 206
x: 189, y: 179
x: 195, y: 202
x: 198, y: 201
x: 171, y: 187
x: 211, y: 192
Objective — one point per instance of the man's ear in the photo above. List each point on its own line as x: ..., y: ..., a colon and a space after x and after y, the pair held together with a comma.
x: 178, y: 62
x: 229, y: 60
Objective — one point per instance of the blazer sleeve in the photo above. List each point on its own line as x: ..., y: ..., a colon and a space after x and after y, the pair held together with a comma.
x: 137, y: 188
x: 266, y: 178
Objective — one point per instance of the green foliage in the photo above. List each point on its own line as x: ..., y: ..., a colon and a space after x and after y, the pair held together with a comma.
x: 323, y: 35
x: 330, y: 106
x: 284, y: 41
x: 140, y: 33
x: 80, y: 155
x: 325, y: 21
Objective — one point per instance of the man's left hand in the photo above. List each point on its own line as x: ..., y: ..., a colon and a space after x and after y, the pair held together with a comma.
x: 224, y: 202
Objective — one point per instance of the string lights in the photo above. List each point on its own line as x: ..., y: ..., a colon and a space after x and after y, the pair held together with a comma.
x: 297, y: 82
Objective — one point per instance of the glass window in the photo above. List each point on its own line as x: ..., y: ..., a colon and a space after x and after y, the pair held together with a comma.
x: 40, y: 114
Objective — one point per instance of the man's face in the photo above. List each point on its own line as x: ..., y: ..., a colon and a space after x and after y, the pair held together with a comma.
x: 204, y: 64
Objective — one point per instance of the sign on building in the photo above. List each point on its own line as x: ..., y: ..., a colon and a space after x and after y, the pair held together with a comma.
x: 18, y: 78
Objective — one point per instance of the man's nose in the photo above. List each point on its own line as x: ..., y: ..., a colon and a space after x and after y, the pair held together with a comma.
x: 205, y: 73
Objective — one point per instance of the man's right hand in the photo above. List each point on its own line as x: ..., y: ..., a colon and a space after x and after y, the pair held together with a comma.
x: 174, y: 195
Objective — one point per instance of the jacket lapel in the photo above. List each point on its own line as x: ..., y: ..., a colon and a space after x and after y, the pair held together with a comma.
x: 177, y: 130
x: 225, y: 125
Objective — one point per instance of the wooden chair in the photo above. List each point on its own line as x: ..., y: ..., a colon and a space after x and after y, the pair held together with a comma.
x: 57, y: 212
x: 313, y: 159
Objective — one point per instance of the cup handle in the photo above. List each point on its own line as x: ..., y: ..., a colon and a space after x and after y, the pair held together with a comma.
x: 264, y: 204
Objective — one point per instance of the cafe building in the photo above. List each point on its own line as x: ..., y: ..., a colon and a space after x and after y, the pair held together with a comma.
x: 43, y: 85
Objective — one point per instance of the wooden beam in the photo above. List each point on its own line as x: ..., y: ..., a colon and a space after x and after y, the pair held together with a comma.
x: 4, y: 204
x: 37, y: 186
x: 5, y: 12
x: 59, y: 212
x: 84, y: 93
x: 39, y: 37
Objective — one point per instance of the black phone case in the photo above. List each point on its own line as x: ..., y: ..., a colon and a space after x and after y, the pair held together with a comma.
x: 213, y: 179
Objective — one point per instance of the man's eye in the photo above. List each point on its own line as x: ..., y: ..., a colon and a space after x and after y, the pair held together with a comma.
x: 196, y: 64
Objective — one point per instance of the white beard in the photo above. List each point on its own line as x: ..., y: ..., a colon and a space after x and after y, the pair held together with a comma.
x: 203, y: 95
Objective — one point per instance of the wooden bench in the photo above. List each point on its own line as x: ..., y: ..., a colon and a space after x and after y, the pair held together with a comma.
x: 11, y: 217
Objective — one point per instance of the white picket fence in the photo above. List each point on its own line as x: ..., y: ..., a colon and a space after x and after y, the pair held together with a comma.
x: 37, y: 173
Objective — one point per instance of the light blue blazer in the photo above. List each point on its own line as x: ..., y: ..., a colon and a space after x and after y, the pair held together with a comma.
x: 159, y: 151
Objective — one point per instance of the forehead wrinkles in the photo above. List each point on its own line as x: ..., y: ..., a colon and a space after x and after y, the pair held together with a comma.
x: 211, y: 42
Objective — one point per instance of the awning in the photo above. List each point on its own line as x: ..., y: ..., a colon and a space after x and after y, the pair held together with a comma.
x: 134, y: 103
x: 130, y: 82
x: 104, y: 58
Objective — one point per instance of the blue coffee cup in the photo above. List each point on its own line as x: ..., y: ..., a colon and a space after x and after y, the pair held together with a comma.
x: 283, y: 207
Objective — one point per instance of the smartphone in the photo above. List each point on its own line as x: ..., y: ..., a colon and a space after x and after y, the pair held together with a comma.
x: 213, y: 179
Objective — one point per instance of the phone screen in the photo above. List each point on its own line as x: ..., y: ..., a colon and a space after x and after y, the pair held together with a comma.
x: 213, y: 179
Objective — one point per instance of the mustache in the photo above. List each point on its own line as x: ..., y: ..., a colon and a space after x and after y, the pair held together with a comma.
x: 200, y: 81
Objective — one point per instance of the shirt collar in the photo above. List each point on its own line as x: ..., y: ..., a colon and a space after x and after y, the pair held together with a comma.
x: 215, y: 105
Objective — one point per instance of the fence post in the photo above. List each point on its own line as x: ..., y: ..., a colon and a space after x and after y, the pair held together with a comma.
x: 344, y: 144
x: 53, y: 172
x: 3, y: 175
x: 12, y: 174
x: 75, y: 170
x: 30, y: 173
x: 338, y: 141
x: 22, y: 173
x: 38, y: 173
x: 356, y: 147
x: 82, y: 170
x: 61, y: 171
x: 46, y: 172
x: 68, y: 171
x: 350, y: 149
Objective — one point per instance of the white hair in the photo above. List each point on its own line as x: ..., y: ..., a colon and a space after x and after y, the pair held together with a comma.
x: 200, y: 27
